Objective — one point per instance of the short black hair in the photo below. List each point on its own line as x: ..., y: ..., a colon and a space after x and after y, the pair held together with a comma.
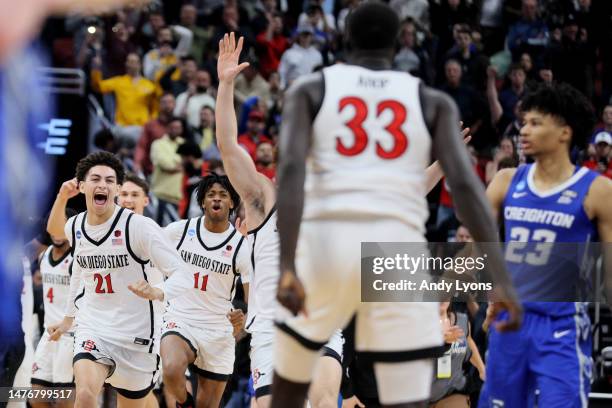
x: 566, y: 104
x: 188, y: 57
x: 189, y: 149
x: 372, y: 25
x: 103, y: 138
x: 515, y: 66
x: 100, y: 159
x: 140, y: 182
x: 209, y: 180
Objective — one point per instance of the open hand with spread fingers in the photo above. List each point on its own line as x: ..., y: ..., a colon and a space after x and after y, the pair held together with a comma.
x: 229, y: 55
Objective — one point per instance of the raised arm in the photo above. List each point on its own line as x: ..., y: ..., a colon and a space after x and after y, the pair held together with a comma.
x: 492, y: 96
x: 236, y: 161
x: 57, y: 216
x: 472, y: 205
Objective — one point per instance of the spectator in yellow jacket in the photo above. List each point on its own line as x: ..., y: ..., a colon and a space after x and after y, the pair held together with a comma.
x: 135, y: 96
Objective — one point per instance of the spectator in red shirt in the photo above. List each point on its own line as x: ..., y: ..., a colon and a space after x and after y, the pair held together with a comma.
x: 271, y: 44
x: 153, y: 130
x: 265, y: 163
x: 254, y: 133
x: 600, y: 162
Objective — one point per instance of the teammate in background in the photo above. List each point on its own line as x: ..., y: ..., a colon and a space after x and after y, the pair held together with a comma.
x: 367, y: 134
x: 53, y: 360
x: 116, y: 339
x: 196, y: 329
x: 258, y: 194
x: 552, y: 351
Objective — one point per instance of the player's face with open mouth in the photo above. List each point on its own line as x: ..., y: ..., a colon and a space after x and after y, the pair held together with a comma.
x: 100, y: 188
x: 132, y: 197
x: 217, y: 203
x: 541, y: 133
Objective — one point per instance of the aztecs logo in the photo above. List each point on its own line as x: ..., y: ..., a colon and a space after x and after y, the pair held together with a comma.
x: 35, y: 368
x: 89, y: 345
x: 256, y: 375
x: 117, y: 233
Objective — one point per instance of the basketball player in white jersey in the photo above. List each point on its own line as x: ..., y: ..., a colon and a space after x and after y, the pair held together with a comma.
x: 53, y: 360
x: 196, y: 330
x: 260, y: 200
x: 258, y: 194
x: 355, y: 143
x: 133, y: 195
x: 116, y: 339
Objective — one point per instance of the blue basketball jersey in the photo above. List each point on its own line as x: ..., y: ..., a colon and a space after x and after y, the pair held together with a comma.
x: 547, y: 236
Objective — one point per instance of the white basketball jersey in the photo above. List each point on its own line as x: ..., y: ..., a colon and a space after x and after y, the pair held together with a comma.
x: 216, y: 267
x: 108, y: 265
x: 265, y: 247
x: 56, y: 285
x: 370, y: 148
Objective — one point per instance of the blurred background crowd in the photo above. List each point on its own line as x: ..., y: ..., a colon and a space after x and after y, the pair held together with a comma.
x: 152, y: 70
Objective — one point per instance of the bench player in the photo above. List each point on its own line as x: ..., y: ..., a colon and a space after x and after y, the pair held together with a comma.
x: 366, y: 133
x: 116, y: 339
x: 53, y: 360
x: 551, y: 354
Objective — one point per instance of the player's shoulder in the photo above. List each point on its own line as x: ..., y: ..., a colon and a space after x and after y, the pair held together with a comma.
x: 601, y: 187
x: 506, y: 175
x: 596, y: 203
x: 137, y: 221
x: 499, y: 185
x: 180, y: 224
x: 304, y: 84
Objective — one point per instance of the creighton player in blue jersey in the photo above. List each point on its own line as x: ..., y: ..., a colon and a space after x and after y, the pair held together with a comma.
x: 547, y: 362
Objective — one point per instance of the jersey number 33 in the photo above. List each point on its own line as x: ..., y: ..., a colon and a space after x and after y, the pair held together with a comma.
x: 360, y: 136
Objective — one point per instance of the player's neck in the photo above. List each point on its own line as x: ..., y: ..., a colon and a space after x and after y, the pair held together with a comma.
x: 58, y: 252
x: 95, y: 219
x: 553, y: 170
x: 372, y: 59
x: 216, y: 227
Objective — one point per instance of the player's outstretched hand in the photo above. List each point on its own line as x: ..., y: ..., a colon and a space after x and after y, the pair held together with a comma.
x: 237, y: 319
x: 56, y: 330
x: 291, y: 293
x: 144, y: 290
x: 352, y: 402
x: 69, y: 189
x: 229, y: 55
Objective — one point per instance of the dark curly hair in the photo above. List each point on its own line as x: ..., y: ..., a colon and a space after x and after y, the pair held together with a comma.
x: 100, y: 159
x: 208, y: 181
x: 566, y: 104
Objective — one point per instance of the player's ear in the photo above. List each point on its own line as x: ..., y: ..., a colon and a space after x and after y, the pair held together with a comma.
x: 81, y: 186
x: 566, y: 134
x: 146, y: 201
